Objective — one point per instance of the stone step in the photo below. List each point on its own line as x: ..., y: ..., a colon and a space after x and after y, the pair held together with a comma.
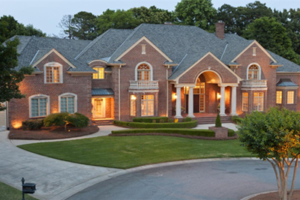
x: 211, y: 120
x: 102, y: 122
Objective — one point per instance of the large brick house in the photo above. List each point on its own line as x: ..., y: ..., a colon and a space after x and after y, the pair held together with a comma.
x: 152, y: 70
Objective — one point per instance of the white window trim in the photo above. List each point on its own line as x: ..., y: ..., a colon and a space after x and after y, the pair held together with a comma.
x: 136, y: 70
x: 259, y: 70
x: 143, y: 49
x: 54, y: 64
x: 47, y: 106
x: 98, y: 73
x: 254, y: 51
x: 64, y: 95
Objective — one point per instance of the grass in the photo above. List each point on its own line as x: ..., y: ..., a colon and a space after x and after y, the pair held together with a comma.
x: 133, y: 151
x: 9, y: 193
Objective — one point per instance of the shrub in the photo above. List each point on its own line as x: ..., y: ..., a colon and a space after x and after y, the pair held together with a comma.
x: 62, y: 119
x: 187, y: 119
x: 218, y: 121
x: 157, y: 125
x: 236, y: 119
x: 231, y: 133
x: 181, y: 131
x: 151, y: 119
x: 57, y: 119
x: 32, y: 124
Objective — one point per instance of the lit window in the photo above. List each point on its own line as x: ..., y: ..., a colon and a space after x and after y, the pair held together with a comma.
x: 99, y: 74
x: 53, y: 73
x: 279, y: 97
x: 68, y: 103
x: 245, y: 101
x: 147, y: 105
x: 132, y: 105
x: 290, y: 97
x: 39, y: 106
x: 253, y: 72
x: 143, y: 73
x: 258, y: 101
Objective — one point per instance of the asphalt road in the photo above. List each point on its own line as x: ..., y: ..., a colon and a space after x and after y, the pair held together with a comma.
x: 217, y: 180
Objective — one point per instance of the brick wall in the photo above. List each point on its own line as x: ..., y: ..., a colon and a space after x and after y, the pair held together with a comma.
x: 32, y: 85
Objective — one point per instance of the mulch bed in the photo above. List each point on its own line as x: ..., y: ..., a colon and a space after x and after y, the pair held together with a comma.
x: 52, y: 133
x: 176, y: 135
x: 274, y: 196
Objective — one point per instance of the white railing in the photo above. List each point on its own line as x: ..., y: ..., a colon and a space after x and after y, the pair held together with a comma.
x: 254, y: 83
x: 137, y: 85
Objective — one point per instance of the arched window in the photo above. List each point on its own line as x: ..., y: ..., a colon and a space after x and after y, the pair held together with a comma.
x: 53, y: 73
x: 68, y: 103
x: 39, y: 105
x: 99, y: 74
x: 253, y: 72
x: 143, y: 72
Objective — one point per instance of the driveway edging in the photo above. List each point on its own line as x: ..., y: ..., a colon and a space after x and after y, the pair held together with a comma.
x: 254, y: 195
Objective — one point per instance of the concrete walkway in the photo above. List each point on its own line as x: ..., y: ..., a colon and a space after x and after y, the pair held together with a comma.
x: 227, y: 125
x: 55, y: 179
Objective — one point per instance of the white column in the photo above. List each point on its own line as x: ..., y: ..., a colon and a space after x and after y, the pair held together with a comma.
x: 233, y: 100
x: 191, y: 102
x: 222, y: 106
x: 178, y: 103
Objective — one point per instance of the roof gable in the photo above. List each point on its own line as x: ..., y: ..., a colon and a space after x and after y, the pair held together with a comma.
x: 148, y: 41
x: 261, y: 47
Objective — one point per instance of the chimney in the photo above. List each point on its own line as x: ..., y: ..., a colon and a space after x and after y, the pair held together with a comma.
x: 220, y: 29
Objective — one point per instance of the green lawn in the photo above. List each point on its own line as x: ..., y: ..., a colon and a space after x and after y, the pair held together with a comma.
x: 10, y: 193
x: 133, y: 151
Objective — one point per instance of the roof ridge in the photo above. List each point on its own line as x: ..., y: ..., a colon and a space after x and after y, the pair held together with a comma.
x: 91, y: 44
x: 25, y: 45
x: 131, y: 34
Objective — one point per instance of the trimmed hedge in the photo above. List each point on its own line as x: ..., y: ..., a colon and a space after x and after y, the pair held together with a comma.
x: 151, y: 119
x: 236, y: 119
x: 32, y: 124
x: 187, y: 119
x: 61, y: 119
x: 194, y: 132
x: 231, y: 133
x: 191, y: 124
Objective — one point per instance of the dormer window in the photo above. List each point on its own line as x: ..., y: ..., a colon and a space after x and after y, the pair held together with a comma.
x: 253, y: 72
x: 99, y: 74
x: 53, y: 73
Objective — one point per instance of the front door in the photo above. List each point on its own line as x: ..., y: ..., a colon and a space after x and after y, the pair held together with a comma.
x: 99, y: 108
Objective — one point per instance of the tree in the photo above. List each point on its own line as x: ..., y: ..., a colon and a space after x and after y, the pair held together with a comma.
x: 15, y: 28
x: 67, y: 27
x: 9, y: 77
x: 200, y: 13
x: 119, y: 19
x: 272, y: 36
x: 152, y: 15
x: 84, y: 26
x: 274, y: 137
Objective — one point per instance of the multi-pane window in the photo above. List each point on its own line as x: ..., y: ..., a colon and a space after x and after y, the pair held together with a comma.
x: 245, y: 101
x: 258, y: 101
x: 67, y: 104
x: 53, y: 74
x: 278, y: 97
x: 99, y: 74
x: 253, y: 72
x: 143, y: 73
x: 132, y: 105
x: 147, y: 105
x: 290, y: 97
x: 38, y: 106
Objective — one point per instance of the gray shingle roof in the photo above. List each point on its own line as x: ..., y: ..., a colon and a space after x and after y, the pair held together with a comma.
x: 102, y: 92
x: 286, y: 82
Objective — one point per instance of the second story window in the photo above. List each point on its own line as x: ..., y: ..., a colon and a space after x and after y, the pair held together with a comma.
x: 143, y: 73
x: 253, y: 72
x: 53, y: 73
x: 99, y: 74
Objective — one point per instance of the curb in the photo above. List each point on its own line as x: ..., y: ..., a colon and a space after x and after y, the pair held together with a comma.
x: 80, y: 187
x: 254, y: 195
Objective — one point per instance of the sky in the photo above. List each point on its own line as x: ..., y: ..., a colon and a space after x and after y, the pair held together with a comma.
x: 46, y: 14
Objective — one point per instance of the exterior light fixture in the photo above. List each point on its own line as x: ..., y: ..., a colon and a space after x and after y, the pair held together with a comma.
x: 218, y: 95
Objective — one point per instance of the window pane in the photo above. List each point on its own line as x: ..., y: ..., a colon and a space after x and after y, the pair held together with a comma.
x: 34, y: 107
x: 279, y: 97
x: 132, y: 105
x: 258, y: 101
x: 49, y: 74
x: 43, y: 107
x: 63, y: 104
x: 95, y: 75
x: 56, y: 74
x: 290, y: 97
x: 101, y: 73
x: 245, y: 102
x: 71, y: 105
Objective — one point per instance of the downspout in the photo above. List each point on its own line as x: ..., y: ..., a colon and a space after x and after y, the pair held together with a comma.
x: 167, y: 76
x: 120, y: 93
